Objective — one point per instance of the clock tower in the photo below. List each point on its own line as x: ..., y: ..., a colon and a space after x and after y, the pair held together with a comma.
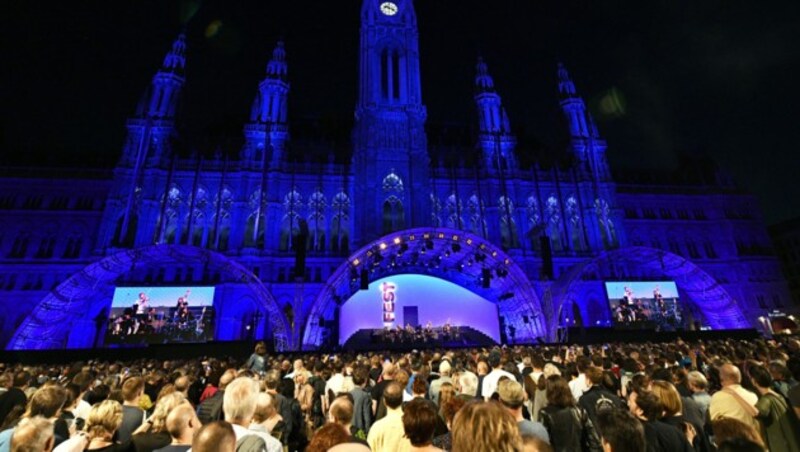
x: 390, y: 158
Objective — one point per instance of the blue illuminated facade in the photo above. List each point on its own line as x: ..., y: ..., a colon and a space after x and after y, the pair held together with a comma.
x: 68, y: 238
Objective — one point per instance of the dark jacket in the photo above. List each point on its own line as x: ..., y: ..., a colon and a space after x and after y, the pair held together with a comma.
x: 597, y: 399
x: 570, y: 429
x: 211, y: 408
x: 662, y: 437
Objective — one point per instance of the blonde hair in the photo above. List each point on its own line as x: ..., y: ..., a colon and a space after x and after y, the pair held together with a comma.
x: 239, y: 400
x: 669, y: 397
x: 104, y: 419
x: 265, y: 407
x: 485, y: 426
x: 158, y: 421
x: 446, y: 392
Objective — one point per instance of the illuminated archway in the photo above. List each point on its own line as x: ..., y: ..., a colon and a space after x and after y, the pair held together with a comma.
x: 718, y: 309
x: 81, y: 297
x: 452, y: 255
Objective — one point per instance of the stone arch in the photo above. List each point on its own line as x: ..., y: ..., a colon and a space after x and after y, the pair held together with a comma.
x: 707, y: 296
x: 76, y: 300
x: 449, y: 254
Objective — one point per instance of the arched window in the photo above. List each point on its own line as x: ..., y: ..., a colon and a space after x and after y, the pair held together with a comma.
x: 534, y: 221
x: 254, y: 228
x: 573, y: 212
x: 340, y: 223
x: 477, y: 224
x: 174, y: 204
x: 393, y: 214
x: 390, y: 73
x: 436, y: 211
x: 221, y: 225
x: 316, y: 221
x: 394, y: 217
x: 508, y: 227
x: 290, y: 225
x: 454, y: 209
x: 608, y: 232
x: 553, y: 214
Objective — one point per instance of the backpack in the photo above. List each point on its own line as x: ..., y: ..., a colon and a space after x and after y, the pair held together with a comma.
x: 251, y: 443
x: 211, y: 409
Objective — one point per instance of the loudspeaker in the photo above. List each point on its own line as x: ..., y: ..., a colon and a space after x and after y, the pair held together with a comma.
x: 486, y: 278
x: 547, y: 257
x: 364, y: 279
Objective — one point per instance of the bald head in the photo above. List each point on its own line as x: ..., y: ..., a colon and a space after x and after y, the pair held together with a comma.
x: 182, y: 423
x: 215, y: 437
x: 729, y: 375
x: 393, y: 395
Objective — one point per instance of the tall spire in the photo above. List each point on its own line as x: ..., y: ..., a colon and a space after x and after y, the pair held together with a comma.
x: 277, y: 68
x: 175, y: 61
x: 483, y: 81
x: 160, y: 100
x: 565, y: 86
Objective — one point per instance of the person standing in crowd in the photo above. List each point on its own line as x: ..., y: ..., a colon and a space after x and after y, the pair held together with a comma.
x: 485, y: 426
x: 362, y: 402
x: 698, y: 384
x: 724, y: 403
x: 388, y: 434
x: 15, y: 395
x: 341, y: 413
x: 182, y: 424
x: 620, y: 431
x: 492, y: 378
x: 581, y: 384
x: 419, y: 424
x: 659, y: 436
x: 256, y: 361
x: 217, y: 436
x: 102, y: 423
x: 597, y: 397
x: 153, y: 434
x: 567, y: 424
x: 33, y: 434
x: 444, y: 377
x: 132, y: 416
x: 780, y: 426
x: 671, y: 402
x: 239, y: 406
x: 512, y: 396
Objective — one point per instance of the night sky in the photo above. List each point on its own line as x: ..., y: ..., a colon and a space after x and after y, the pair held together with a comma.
x: 711, y: 79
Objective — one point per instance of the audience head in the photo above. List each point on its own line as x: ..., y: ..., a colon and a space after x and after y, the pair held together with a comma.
x: 158, y: 421
x: 620, y: 431
x: 444, y: 369
x: 215, y: 436
x: 265, y: 407
x: 33, y: 434
x: 645, y: 405
x: 740, y: 445
x: 239, y: 401
x: 419, y: 422
x: 668, y: 396
x: 47, y: 402
x: 419, y: 388
x: 132, y: 389
x: 326, y: 437
x: 512, y: 396
x: 760, y: 376
x: 182, y: 422
x: 726, y: 429
x: 485, y: 426
x: 272, y: 379
x: 450, y: 408
x: 341, y: 411
x: 697, y: 381
x: 104, y: 419
x: 393, y: 395
x: 595, y: 375
x: 226, y: 378
x: 468, y: 383
x: 535, y: 444
x: 558, y: 392
x: 729, y: 375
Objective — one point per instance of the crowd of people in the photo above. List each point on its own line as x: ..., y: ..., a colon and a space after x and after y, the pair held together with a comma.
x: 704, y: 396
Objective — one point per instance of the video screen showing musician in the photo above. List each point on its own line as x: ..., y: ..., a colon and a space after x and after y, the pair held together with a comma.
x: 662, y: 311
x: 160, y: 315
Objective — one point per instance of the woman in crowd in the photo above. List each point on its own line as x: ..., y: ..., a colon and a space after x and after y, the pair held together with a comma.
x: 153, y: 434
x: 485, y: 426
x: 568, y: 425
x: 446, y: 393
x: 256, y: 362
x: 103, y: 422
x: 419, y: 424
x: 727, y: 428
x: 670, y: 400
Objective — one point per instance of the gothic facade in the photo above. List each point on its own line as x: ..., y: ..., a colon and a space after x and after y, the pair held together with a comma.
x: 66, y: 239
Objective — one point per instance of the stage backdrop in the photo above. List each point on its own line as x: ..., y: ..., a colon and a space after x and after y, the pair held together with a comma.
x: 437, y: 301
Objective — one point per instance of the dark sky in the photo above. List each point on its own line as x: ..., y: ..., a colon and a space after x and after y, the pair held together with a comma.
x: 715, y: 78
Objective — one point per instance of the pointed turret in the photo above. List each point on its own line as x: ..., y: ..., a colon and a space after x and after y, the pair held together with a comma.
x: 267, y: 128
x: 565, y: 86
x: 572, y: 105
x: 160, y: 100
x: 496, y: 140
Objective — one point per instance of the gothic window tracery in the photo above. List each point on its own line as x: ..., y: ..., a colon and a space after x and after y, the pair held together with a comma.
x: 553, y: 215
x: 573, y: 215
x: 290, y: 224
x: 316, y: 221
x: 608, y: 232
x: 436, y: 211
x: 340, y: 223
x: 174, y: 204
x: 221, y: 223
x: 393, y: 211
x: 534, y: 221
x: 254, y: 230
x: 454, y: 209
x: 477, y: 223
x: 508, y: 227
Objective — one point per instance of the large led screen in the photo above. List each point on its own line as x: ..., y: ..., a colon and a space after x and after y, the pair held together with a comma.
x: 648, y: 304
x: 160, y: 315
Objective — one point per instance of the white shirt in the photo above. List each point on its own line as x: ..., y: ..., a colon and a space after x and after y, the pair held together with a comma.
x: 273, y: 445
x: 82, y: 410
x: 338, y: 383
x: 490, y: 382
x: 578, y: 386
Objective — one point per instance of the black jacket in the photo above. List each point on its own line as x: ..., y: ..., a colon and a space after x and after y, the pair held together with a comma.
x: 598, y: 398
x: 662, y: 437
x: 570, y: 429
